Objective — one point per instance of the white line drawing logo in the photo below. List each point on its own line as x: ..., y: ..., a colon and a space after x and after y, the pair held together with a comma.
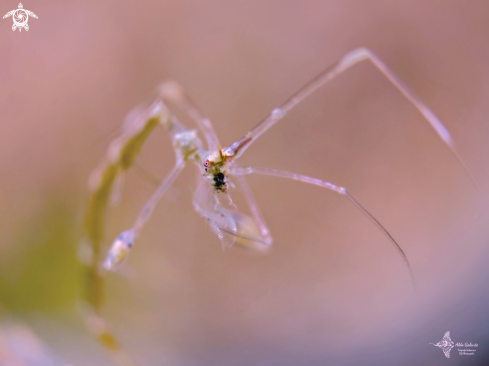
x: 463, y: 349
x: 445, y: 344
x: 20, y: 17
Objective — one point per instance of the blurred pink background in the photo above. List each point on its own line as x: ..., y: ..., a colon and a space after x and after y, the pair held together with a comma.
x: 333, y: 291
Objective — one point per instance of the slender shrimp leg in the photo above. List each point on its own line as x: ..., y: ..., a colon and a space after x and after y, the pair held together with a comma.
x: 121, y: 246
x: 349, y: 60
x: 174, y: 92
x: 255, y: 211
x: 317, y: 182
x: 149, y: 207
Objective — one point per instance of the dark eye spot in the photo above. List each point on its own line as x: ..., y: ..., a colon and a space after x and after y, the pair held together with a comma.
x: 219, y: 180
x: 207, y: 163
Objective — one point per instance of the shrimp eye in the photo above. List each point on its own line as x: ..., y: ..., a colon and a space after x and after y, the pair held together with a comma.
x: 207, y: 163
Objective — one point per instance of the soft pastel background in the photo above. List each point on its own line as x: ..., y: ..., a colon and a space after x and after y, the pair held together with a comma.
x: 333, y: 291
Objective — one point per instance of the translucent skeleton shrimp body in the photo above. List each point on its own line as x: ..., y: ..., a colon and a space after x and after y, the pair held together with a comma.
x: 217, y: 165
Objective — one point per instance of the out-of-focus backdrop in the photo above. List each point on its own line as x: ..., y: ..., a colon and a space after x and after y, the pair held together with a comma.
x: 333, y: 291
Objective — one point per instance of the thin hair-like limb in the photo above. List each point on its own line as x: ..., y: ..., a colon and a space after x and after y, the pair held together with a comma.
x: 149, y: 207
x: 255, y: 211
x: 174, y: 92
x: 146, y: 174
x: 320, y: 183
x: 349, y: 60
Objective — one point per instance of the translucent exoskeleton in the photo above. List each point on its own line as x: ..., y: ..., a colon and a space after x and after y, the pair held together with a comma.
x: 217, y: 169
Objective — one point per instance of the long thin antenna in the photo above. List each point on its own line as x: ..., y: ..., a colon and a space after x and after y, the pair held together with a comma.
x: 384, y: 230
x: 320, y: 183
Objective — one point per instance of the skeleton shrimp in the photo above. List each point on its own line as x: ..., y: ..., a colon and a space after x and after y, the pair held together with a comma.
x: 215, y: 166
